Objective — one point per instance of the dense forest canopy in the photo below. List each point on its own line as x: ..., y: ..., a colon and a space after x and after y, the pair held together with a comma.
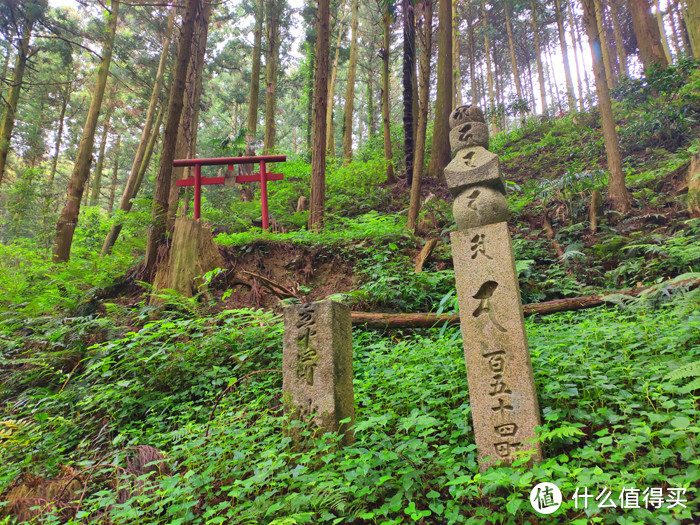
x: 141, y: 347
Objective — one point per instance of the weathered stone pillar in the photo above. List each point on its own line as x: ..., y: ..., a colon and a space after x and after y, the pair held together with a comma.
x: 317, y: 366
x: 499, y: 371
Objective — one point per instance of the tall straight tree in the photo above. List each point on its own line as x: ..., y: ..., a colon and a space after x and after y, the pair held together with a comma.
x: 489, y: 67
x: 605, y: 48
x: 68, y: 220
x: 386, y: 125
x: 133, y: 183
x: 252, y: 122
x: 159, y: 209
x: 273, y: 10
x: 97, y: 178
x: 646, y: 30
x: 565, y: 55
x: 409, y: 68
x: 691, y: 17
x: 31, y: 12
x: 619, y: 43
x: 457, y: 72
x: 511, y: 47
x: 618, y: 191
x: 426, y: 35
x: 115, y: 175
x: 538, y: 54
x: 350, y: 84
x: 186, y: 144
x: 440, y: 155
x: 317, y: 204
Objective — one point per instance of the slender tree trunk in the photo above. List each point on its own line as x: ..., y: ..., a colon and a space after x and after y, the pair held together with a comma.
x: 489, y: 68
x: 254, y: 95
x: 115, y: 175
x: 390, y: 177
x: 619, y: 43
x: 350, y: 85
x: 152, y: 141
x: 662, y: 32
x: 511, y: 47
x: 691, y: 17
x: 609, y: 75
x: 574, y: 43
x: 538, y: 55
x: 618, y: 191
x: 565, y: 55
x: 149, y: 132
x: 159, y: 212
x: 426, y: 36
x: 97, y: 178
x: 472, y: 51
x: 8, y: 118
x: 69, y: 215
x: 273, y: 10
x: 531, y: 85
x: 651, y: 50
x: 371, y: 115
x: 674, y: 29
x: 317, y: 204
x: 610, y: 39
x: 683, y: 17
x: 440, y: 155
x: 552, y: 79
x: 330, y: 130
x: 59, y: 138
x: 577, y: 39
x: 457, y: 81
x: 409, y: 67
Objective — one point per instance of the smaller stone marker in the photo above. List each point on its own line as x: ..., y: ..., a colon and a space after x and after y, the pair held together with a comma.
x: 499, y: 372
x: 317, y: 366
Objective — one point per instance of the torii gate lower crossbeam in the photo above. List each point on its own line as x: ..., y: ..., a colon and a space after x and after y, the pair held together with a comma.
x: 262, y: 176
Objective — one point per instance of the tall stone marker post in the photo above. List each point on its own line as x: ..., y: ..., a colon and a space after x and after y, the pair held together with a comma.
x: 317, y: 367
x: 499, y: 371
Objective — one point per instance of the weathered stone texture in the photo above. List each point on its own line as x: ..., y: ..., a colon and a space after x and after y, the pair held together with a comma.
x: 317, y: 366
x: 479, y: 206
x: 499, y: 371
x: 472, y: 166
x: 466, y: 113
x: 469, y: 135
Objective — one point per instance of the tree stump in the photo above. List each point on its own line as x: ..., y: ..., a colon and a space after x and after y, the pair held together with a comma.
x: 192, y: 254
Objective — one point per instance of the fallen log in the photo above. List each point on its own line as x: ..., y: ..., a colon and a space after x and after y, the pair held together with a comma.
x: 428, y: 320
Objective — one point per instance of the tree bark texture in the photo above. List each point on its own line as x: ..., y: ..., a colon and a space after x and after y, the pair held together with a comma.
x: 619, y: 43
x: 317, y: 205
x: 618, y: 191
x: 440, y: 155
x: 159, y: 210
x: 68, y: 220
x: 115, y: 175
x: 273, y: 11
x: 472, y: 57
x: 186, y: 145
x: 65, y: 98
x: 8, y: 118
x: 426, y: 36
x: 604, y: 47
x: 691, y: 17
x: 647, y: 31
x: 253, y: 97
x: 662, y: 31
x: 409, y: 67
x: 350, y: 84
x: 388, y: 155
x: 97, y: 177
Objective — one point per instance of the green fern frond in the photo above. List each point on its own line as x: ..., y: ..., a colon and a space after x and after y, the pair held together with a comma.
x: 684, y: 372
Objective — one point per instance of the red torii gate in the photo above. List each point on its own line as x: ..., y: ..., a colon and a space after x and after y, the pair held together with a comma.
x: 262, y: 176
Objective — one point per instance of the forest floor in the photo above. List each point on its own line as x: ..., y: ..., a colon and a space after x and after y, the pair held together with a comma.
x: 116, y: 411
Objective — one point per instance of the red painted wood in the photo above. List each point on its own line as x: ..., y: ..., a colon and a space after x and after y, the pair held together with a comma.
x: 263, y: 196
x: 256, y: 177
x: 204, y: 181
x: 197, y: 191
x: 229, y: 160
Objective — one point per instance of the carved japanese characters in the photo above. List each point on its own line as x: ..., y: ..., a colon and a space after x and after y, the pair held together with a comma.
x: 499, y: 372
x: 317, y: 366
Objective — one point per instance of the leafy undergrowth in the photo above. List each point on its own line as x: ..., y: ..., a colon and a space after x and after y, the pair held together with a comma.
x: 615, y: 389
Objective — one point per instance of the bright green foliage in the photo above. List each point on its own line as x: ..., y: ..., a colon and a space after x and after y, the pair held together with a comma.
x: 609, y: 385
